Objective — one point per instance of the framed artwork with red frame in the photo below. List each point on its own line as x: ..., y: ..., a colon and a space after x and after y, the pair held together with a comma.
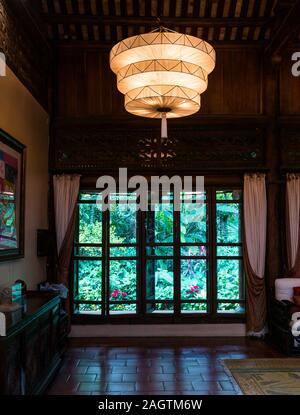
x: 12, y: 197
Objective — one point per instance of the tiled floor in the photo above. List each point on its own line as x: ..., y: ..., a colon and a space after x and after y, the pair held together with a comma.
x: 153, y: 366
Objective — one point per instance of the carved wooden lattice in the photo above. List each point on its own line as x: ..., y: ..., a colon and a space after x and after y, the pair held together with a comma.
x: 25, y: 53
x: 290, y: 144
x: 101, y: 148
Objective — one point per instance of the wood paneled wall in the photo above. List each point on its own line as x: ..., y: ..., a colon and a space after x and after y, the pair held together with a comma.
x: 87, y: 86
x: 289, y: 85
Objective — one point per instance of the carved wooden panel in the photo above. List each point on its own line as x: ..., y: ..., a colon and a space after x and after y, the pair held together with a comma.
x: 32, y: 362
x: 45, y: 340
x: 290, y: 144
x: 54, y: 343
x: 25, y: 53
x: 13, y: 375
x: 108, y: 148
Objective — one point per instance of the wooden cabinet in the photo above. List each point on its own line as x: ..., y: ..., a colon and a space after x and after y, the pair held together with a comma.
x: 11, y: 372
x: 31, y: 351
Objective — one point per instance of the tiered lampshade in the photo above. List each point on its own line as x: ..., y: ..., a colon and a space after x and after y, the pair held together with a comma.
x: 162, y: 74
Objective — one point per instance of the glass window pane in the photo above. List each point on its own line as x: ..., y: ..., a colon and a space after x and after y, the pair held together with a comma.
x: 90, y: 223
x: 159, y: 250
x: 159, y: 279
x: 193, y: 222
x: 193, y: 250
x: 193, y: 279
x: 188, y: 196
x: 231, y: 308
x: 7, y: 194
x: 89, y: 274
x: 164, y: 308
x: 123, y: 251
x: 229, y: 251
x: 122, y: 227
x: 160, y: 223
x: 88, y: 196
x: 87, y: 251
x: 88, y: 308
x: 194, y: 308
x: 229, y: 194
x: 122, y: 280
x: 122, y: 309
x: 228, y: 223
x: 229, y: 276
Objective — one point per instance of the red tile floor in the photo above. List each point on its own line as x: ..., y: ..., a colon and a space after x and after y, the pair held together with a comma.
x: 153, y: 366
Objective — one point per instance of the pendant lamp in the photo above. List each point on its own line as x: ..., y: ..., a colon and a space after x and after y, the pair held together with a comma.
x: 162, y: 73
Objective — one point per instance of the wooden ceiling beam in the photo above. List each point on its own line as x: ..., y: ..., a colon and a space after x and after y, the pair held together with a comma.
x: 142, y: 21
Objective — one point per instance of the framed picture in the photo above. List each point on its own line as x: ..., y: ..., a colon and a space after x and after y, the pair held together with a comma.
x: 12, y: 200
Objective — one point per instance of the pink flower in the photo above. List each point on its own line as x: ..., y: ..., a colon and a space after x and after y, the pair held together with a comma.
x: 117, y: 292
x: 193, y: 289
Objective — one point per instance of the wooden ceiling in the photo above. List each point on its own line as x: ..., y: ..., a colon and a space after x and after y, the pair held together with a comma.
x: 33, y: 29
x: 112, y: 20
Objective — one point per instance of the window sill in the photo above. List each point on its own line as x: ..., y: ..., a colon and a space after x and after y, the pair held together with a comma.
x: 158, y: 318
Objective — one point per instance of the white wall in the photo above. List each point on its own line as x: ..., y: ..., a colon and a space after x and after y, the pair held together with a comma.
x: 22, y: 117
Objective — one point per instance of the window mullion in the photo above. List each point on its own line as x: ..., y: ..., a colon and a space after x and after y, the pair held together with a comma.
x: 141, y: 248
x: 75, y: 294
x: 242, y: 290
x: 176, y: 262
x: 105, y: 262
x: 212, y: 251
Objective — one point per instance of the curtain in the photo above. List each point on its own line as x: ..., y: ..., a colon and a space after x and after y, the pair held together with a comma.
x: 255, y: 228
x: 293, y: 224
x: 66, y: 189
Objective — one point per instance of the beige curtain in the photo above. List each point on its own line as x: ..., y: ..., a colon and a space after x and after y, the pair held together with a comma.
x: 65, y: 188
x: 255, y: 228
x: 293, y: 224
